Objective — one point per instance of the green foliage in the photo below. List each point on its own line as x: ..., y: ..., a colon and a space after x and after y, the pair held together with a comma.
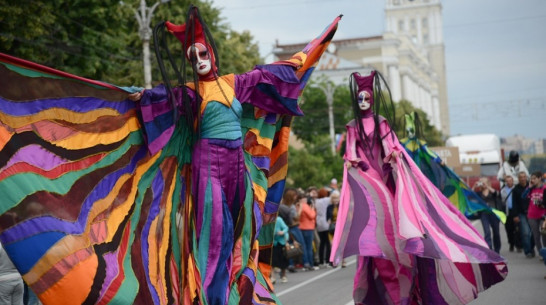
x: 314, y: 165
x: 99, y: 39
x: 314, y: 124
x: 80, y: 37
x: 238, y: 52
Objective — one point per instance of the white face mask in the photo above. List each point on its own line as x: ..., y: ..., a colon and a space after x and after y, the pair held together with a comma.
x: 364, y: 100
x: 199, y: 55
x: 411, y: 133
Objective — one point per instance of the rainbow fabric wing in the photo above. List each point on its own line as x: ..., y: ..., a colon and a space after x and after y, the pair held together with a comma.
x: 451, y: 185
x: 266, y: 144
x: 88, y: 215
x: 307, y: 59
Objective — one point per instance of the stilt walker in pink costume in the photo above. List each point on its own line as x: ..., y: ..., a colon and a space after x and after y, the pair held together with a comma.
x: 413, y: 245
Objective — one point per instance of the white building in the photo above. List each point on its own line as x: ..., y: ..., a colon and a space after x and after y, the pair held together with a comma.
x: 410, y: 54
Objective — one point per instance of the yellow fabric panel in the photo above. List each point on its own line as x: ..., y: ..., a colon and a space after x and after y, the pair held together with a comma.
x: 215, y: 90
x: 259, y: 193
x: 192, y: 278
x: 53, y: 113
x: 262, y: 141
x: 278, y: 176
x: 83, y: 139
x: 166, y: 234
x: 153, y: 267
x: 117, y: 216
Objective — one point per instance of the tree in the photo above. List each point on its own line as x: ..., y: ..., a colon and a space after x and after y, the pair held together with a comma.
x: 84, y: 37
x: 99, y: 39
x: 314, y: 165
x: 314, y: 124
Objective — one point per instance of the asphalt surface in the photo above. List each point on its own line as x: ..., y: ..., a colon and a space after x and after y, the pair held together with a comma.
x: 524, y: 285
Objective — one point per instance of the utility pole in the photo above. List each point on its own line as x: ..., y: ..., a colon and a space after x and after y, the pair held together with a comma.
x: 328, y: 90
x: 144, y: 16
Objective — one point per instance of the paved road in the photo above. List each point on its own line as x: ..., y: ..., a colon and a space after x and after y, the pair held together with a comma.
x: 525, y: 284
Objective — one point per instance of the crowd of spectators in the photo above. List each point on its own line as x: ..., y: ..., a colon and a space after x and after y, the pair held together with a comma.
x: 306, y: 218
x: 524, y: 204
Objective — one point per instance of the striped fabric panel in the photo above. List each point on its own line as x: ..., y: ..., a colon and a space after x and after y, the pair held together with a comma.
x: 88, y: 215
x: 449, y: 183
x: 413, y: 245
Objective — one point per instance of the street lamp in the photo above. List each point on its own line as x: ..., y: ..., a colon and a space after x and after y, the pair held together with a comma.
x: 328, y: 89
x: 144, y: 16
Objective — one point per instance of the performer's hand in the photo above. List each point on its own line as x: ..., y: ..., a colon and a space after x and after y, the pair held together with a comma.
x: 516, y: 219
x: 135, y: 97
x: 350, y: 164
x: 353, y: 163
x: 393, y: 157
x: 363, y: 165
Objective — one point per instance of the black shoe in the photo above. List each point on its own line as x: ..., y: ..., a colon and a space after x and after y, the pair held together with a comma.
x: 530, y: 255
x: 511, y: 248
x: 291, y: 269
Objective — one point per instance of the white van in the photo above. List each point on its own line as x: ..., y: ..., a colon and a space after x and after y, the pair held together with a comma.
x: 483, y: 149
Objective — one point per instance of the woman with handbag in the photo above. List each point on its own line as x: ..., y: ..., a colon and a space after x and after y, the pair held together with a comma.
x: 279, y: 242
x: 290, y: 211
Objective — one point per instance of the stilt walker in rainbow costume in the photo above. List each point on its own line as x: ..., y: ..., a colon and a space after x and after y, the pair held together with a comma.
x: 168, y: 197
x: 444, y: 178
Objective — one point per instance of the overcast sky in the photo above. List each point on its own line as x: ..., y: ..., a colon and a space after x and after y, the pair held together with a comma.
x: 495, y: 52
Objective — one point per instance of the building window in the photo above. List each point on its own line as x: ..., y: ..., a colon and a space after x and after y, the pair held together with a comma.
x: 401, y: 25
x: 425, y: 22
x: 425, y: 39
x: 412, y: 24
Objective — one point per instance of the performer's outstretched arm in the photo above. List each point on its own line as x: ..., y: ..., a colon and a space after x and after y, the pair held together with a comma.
x: 277, y: 87
x: 157, y: 113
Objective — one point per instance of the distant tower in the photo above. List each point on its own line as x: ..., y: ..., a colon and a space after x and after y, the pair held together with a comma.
x: 421, y: 20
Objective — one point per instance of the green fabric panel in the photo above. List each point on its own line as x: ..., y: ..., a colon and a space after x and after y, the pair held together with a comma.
x: 205, y: 231
x: 35, y: 74
x: 61, y: 185
x: 267, y: 233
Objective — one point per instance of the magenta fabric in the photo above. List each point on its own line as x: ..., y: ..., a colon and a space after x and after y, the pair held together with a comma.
x: 413, y: 245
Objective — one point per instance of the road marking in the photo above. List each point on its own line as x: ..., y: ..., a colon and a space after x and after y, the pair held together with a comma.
x: 313, y: 279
